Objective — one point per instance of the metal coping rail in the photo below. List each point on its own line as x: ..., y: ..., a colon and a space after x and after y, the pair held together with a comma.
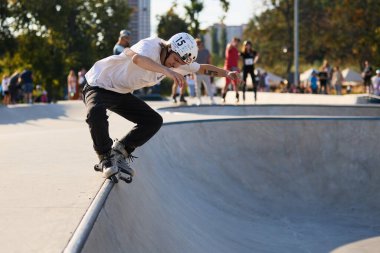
x: 80, y: 235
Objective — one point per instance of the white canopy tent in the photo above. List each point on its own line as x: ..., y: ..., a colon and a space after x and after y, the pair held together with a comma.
x: 351, y: 77
x: 305, y: 76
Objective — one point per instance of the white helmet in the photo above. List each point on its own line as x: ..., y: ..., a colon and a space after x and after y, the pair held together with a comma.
x: 185, y: 46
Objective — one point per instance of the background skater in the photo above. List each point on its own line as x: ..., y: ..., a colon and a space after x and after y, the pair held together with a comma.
x: 250, y: 57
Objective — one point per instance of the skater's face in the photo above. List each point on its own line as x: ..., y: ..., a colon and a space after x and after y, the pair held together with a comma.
x: 173, y: 60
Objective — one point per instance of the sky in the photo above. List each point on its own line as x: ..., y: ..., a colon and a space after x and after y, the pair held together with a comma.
x: 240, y: 11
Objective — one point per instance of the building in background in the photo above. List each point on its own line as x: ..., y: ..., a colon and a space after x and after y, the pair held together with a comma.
x: 139, y: 23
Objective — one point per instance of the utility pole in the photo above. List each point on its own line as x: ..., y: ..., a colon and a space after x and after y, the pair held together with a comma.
x: 296, y: 46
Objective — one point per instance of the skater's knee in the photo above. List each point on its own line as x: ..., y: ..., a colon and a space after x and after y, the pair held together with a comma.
x: 157, y: 121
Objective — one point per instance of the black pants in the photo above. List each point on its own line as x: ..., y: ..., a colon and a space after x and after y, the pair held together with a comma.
x: 98, y: 100
x: 251, y: 72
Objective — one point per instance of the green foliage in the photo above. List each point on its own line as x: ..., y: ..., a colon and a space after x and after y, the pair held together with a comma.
x: 192, y: 13
x: 217, y: 60
x: 344, y: 32
x: 170, y: 24
x: 166, y: 87
x: 50, y: 37
x: 214, y: 41
x: 223, y: 42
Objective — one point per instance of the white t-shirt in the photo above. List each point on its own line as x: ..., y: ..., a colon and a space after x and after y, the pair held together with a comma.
x: 118, y: 73
x: 376, y: 85
x: 5, y: 84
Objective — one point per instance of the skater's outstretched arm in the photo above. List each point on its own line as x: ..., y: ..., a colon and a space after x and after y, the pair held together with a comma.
x: 211, y: 70
x: 148, y: 64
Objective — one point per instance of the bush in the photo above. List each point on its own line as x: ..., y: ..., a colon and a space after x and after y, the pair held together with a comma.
x: 166, y: 87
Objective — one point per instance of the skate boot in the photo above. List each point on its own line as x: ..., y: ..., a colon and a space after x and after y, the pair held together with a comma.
x: 182, y: 99
x: 123, y: 158
x: 108, y: 166
x: 224, y: 97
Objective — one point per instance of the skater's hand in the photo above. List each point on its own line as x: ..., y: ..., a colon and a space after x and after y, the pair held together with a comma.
x: 234, y: 75
x: 177, y: 78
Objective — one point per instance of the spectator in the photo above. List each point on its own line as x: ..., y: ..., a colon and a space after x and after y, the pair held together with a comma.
x: 329, y: 70
x: 5, y: 89
x: 81, y: 81
x: 204, y: 57
x: 376, y: 83
x: 179, y: 90
x: 122, y: 42
x: 40, y: 95
x: 26, y: 80
x: 13, y: 87
x: 250, y: 57
x: 324, y: 77
x: 314, y: 82
x: 337, y: 80
x: 231, y: 64
x: 367, y: 75
x: 72, y: 86
x: 190, y: 80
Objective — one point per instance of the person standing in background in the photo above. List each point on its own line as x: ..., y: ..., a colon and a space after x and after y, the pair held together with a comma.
x: 26, y: 79
x: 250, y: 57
x: 324, y: 77
x: 123, y: 42
x: 204, y: 57
x: 72, y: 85
x: 5, y: 89
x: 337, y: 80
x: 376, y: 83
x: 367, y: 74
x: 81, y: 81
x: 13, y: 87
x: 231, y: 64
x: 314, y: 82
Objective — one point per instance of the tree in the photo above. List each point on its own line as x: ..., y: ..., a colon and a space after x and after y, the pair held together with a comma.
x: 215, y: 41
x: 53, y: 36
x: 223, y: 41
x: 192, y: 12
x: 170, y: 24
x: 340, y: 31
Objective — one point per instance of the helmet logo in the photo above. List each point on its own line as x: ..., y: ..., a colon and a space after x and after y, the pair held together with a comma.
x: 180, y: 43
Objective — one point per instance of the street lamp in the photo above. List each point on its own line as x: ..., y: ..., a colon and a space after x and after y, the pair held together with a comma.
x: 296, y: 52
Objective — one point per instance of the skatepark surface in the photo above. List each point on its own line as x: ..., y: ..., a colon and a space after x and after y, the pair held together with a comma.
x: 253, y: 178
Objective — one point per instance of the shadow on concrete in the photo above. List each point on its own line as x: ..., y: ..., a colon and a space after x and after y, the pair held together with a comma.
x: 22, y: 113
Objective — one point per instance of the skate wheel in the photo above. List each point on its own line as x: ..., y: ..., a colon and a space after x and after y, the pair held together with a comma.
x: 97, y: 167
x: 114, y: 179
x: 128, y: 180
